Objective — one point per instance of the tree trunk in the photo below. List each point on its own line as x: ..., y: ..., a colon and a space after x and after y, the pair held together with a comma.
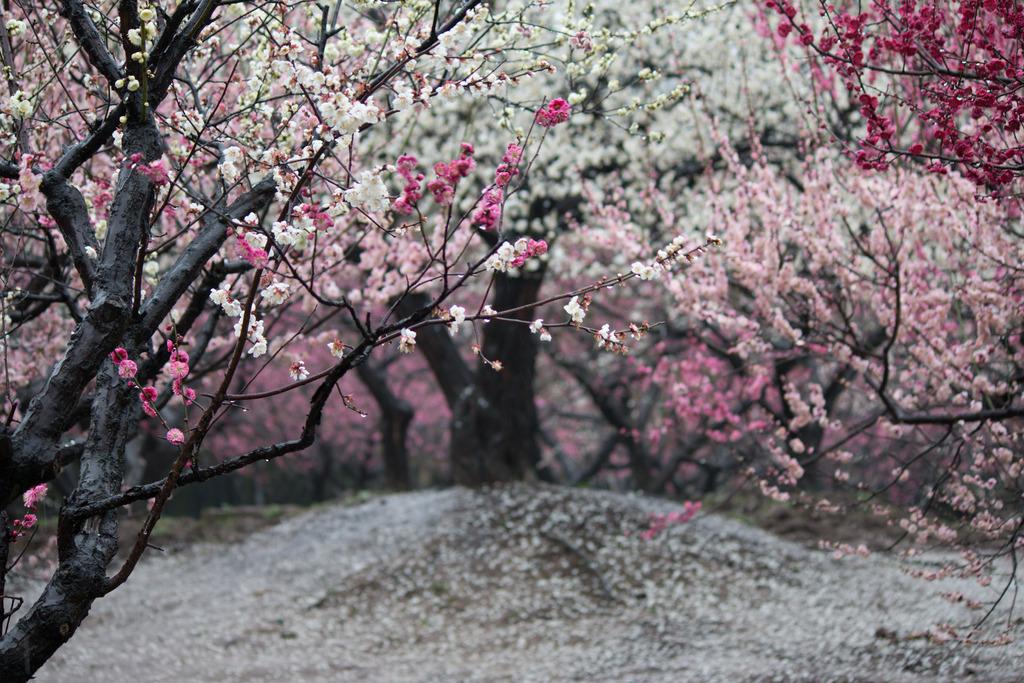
x: 494, y: 428
x: 495, y: 434
x: 395, y: 417
x: 85, y: 550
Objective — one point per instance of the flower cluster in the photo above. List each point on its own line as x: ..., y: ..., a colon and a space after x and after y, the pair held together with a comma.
x: 126, y: 367
x: 488, y: 212
x: 368, y: 192
x: 509, y: 166
x: 457, y: 315
x: 412, y: 192
x: 512, y: 255
x: 155, y: 170
x: 406, y: 341
x: 275, y: 293
x: 553, y: 113
x: 297, y: 370
x: 947, y: 72
x: 449, y: 175
x: 537, y: 327
x: 577, y: 309
x: 251, y: 243
x: 176, y: 370
x: 233, y: 307
x: 610, y: 340
x: 231, y: 161
x: 30, y: 499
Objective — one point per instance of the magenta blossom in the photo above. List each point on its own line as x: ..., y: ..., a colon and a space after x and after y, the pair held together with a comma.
x: 553, y: 113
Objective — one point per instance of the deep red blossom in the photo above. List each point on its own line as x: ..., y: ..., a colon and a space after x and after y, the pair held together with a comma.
x: 947, y: 71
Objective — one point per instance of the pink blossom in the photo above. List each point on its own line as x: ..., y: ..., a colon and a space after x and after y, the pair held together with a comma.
x: 32, y: 497
x: 508, y: 168
x: 582, y: 41
x: 29, y: 182
x: 155, y: 171
x: 488, y: 213
x: 412, y: 192
x: 553, y: 113
x: 127, y: 369
x: 175, y: 436
x: 257, y: 256
x: 448, y: 175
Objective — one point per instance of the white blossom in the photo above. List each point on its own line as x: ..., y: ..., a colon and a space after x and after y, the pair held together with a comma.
x: 275, y: 293
x: 230, y: 160
x: 574, y: 310
x: 458, y: 316
x: 407, y: 341
x: 368, y: 192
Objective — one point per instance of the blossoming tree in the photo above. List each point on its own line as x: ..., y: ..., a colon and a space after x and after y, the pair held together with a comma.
x: 195, y: 193
x: 935, y: 81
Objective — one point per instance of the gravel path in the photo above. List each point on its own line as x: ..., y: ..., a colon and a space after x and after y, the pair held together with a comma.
x: 520, y: 584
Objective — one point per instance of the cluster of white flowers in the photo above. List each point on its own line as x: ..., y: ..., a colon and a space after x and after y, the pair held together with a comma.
x: 15, y: 27
x: 139, y: 37
x: 537, y: 326
x: 646, y: 271
x: 275, y: 293
x: 675, y: 252
x: 255, y: 240
x: 231, y: 159
x: 575, y: 310
x: 19, y: 104
x: 451, y: 39
x: 341, y: 113
x: 404, y: 97
x: 287, y: 235
x: 346, y: 116
x: 406, y: 341
x: 458, y: 316
x: 231, y: 306
x: 259, y: 342
x: 132, y: 84
x: 607, y: 338
x: 368, y: 192
x: 148, y: 31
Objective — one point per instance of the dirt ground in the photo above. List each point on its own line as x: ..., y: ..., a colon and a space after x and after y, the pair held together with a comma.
x: 523, y: 584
